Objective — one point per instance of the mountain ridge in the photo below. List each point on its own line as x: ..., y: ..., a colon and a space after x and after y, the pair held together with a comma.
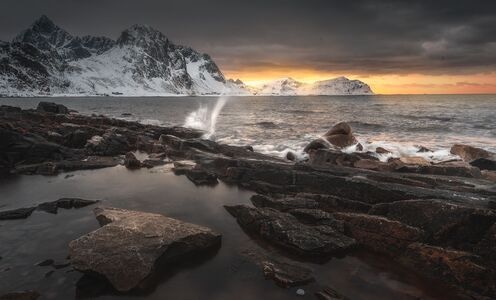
x: 46, y: 60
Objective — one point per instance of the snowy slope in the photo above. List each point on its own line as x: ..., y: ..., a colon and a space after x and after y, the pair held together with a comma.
x: 46, y: 60
x: 336, y: 86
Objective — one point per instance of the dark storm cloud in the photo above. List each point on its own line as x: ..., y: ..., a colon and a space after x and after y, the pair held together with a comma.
x: 369, y: 37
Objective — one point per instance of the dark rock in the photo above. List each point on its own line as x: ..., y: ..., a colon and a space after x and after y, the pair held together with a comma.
x: 469, y: 153
x: 359, y: 147
x: 201, y: 177
x: 249, y: 148
x: 153, y: 162
x: 372, y: 164
x: 286, y: 275
x: 460, y: 268
x: 317, y: 217
x: 60, y: 265
x: 290, y: 156
x: 131, y: 162
x: 323, y: 157
x: 284, y: 230
x: 77, y: 138
x: 283, y: 204
x: 446, y: 169
x: 423, y: 149
x: 66, y: 203
x: 438, y: 217
x: 182, y: 167
x: 20, y: 213
x: 111, y: 143
x: 45, y: 263
x: 484, y: 164
x: 51, y: 107
x: 315, y: 145
x: 22, y: 295
x: 130, y: 244
x: 49, y: 273
x: 378, y: 233
x: 381, y: 150
x: 328, y: 293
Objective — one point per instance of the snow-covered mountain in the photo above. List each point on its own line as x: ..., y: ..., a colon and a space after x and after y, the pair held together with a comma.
x: 336, y: 86
x: 46, y: 60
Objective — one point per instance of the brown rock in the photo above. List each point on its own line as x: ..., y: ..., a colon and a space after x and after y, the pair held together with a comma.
x: 460, y: 268
x: 381, y: 150
x: 340, y: 128
x: 340, y: 135
x: 469, y: 153
x: 378, y: 233
x: 414, y: 160
x: 128, y: 246
x: 489, y: 175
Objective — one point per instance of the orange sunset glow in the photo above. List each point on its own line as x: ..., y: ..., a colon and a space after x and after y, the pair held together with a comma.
x: 483, y: 83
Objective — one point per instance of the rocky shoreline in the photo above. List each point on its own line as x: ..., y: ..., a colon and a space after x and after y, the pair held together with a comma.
x: 437, y: 219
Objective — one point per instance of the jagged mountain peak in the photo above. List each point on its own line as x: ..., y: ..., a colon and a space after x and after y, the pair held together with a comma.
x: 141, y: 35
x: 44, y: 34
x: 44, y: 24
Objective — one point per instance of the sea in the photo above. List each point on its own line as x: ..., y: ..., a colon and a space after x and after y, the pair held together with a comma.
x: 277, y: 125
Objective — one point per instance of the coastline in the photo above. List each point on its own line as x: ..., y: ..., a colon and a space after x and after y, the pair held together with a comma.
x: 343, y: 201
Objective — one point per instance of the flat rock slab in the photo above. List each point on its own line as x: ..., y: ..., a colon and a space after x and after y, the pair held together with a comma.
x: 127, y: 249
x: 285, y: 230
x: 20, y: 213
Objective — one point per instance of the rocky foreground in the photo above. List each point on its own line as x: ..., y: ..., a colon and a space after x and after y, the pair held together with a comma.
x: 437, y: 219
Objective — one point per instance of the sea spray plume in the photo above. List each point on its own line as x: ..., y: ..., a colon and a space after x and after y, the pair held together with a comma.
x: 205, y: 119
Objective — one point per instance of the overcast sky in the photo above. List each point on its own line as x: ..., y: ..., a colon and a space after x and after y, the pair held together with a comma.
x: 359, y: 37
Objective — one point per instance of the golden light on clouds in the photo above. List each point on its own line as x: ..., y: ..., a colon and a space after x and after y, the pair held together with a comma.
x: 383, y: 84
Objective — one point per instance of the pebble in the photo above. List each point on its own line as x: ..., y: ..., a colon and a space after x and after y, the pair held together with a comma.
x: 300, y: 292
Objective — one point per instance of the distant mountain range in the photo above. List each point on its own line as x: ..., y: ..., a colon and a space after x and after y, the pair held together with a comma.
x: 46, y: 60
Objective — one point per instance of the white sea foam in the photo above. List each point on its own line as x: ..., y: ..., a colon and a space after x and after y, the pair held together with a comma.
x: 205, y: 119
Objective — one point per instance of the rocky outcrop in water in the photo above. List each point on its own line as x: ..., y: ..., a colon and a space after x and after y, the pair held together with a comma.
x: 130, y: 244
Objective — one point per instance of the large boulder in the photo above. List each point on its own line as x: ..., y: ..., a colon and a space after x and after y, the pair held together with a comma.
x: 131, y: 244
x: 469, y: 153
x: 340, y: 135
x: 284, y: 230
x: 51, y: 107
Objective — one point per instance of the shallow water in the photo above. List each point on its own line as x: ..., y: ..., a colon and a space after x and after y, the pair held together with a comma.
x: 275, y: 125
x: 226, y: 275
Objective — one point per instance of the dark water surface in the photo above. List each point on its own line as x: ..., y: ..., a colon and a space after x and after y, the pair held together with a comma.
x: 226, y: 275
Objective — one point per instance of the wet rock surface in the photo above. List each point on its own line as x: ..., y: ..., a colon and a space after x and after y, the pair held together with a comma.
x: 436, y: 219
x: 21, y: 295
x: 130, y: 244
x: 284, y: 230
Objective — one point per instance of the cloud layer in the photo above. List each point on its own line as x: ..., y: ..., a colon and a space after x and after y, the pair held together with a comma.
x: 355, y: 37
